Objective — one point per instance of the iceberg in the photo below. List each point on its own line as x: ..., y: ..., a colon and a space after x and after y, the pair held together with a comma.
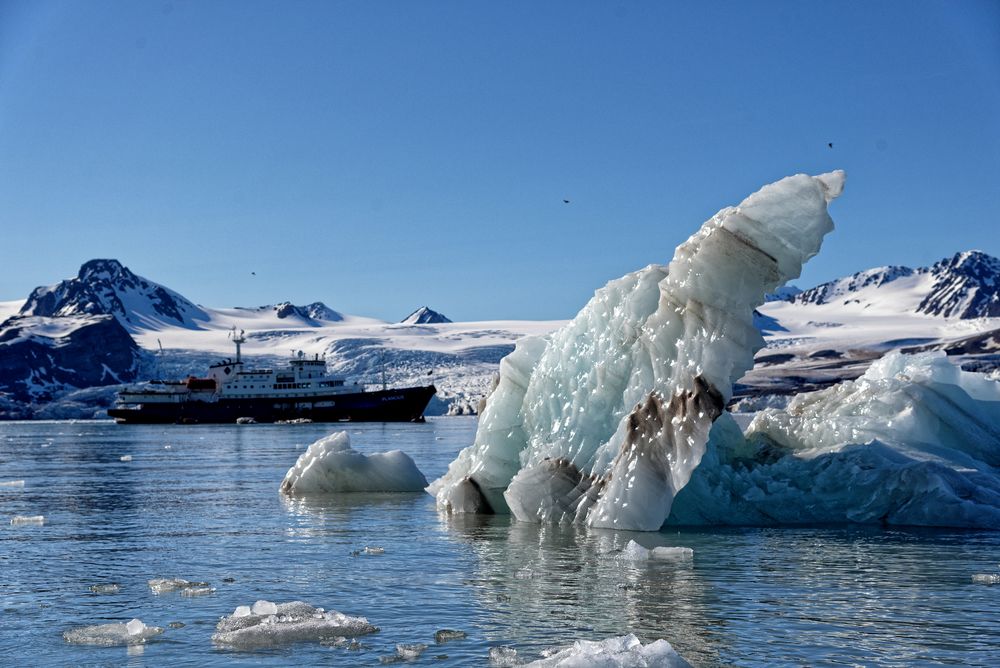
x: 269, y: 624
x: 331, y: 466
x: 623, y: 652
x: 603, y: 421
x: 914, y: 441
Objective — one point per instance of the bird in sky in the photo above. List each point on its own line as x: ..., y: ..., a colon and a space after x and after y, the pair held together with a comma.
x: 830, y: 144
x: 565, y: 201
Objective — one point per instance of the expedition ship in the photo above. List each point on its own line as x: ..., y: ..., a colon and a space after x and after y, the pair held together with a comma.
x: 301, y: 391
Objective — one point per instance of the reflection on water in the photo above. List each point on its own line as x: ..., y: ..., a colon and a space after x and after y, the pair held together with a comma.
x: 208, y: 509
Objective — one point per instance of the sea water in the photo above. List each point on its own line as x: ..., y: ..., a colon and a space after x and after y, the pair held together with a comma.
x: 123, y: 505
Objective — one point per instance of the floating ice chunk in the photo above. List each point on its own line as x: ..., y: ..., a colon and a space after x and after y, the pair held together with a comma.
x: 635, y: 552
x: 503, y: 656
x: 410, y: 652
x: 107, y: 588
x: 242, y: 611
x: 331, y: 466
x: 27, y: 520
x: 12, y: 483
x: 666, y: 553
x: 445, y: 635
x: 289, y: 623
x: 134, y: 632
x: 374, y: 550
x: 166, y: 585
x: 197, y: 591
x: 603, y: 421
x: 622, y: 652
x: 986, y: 578
x: 264, y: 608
x: 125, y: 458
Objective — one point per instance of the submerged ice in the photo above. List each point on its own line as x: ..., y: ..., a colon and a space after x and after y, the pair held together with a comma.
x: 134, y: 632
x: 603, y: 421
x: 330, y: 465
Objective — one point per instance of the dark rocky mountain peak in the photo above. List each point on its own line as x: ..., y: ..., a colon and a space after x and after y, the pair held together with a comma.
x: 424, y: 316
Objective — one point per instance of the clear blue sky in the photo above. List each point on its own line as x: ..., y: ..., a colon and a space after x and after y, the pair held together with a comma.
x: 379, y: 156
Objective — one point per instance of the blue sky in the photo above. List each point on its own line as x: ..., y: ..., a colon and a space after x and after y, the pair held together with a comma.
x: 379, y: 156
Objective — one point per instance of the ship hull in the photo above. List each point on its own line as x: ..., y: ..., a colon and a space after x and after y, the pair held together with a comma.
x: 400, y: 405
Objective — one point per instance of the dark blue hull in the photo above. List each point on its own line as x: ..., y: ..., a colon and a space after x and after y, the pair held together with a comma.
x: 400, y: 405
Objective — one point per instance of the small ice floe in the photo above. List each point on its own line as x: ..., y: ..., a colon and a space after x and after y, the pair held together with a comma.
x: 269, y: 624
x: 343, y: 643
x: 635, y: 552
x: 294, y: 421
x: 27, y: 520
x: 503, y: 656
x: 134, y: 632
x: 11, y: 483
x: 246, y: 420
x: 168, y: 447
x: 106, y: 588
x: 986, y: 578
x: 197, y: 591
x: 167, y: 585
x: 176, y: 625
x: 125, y: 458
x: 444, y: 635
x: 373, y: 550
x: 622, y: 651
x: 404, y: 653
x: 331, y: 466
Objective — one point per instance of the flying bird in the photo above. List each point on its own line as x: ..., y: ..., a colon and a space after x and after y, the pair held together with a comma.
x: 565, y: 201
x: 830, y: 144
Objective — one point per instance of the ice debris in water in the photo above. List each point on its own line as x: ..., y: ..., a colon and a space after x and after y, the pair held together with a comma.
x: 270, y: 624
x: 914, y: 441
x: 444, y: 635
x: 12, y: 483
x: 503, y: 656
x: 106, y: 588
x: 134, y: 632
x: 625, y: 651
x: 405, y: 653
x: 374, y: 550
x: 29, y: 520
x: 166, y: 585
x: 125, y: 458
x: 635, y: 552
x: 331, y: 466
x: 986, y: 578
x: 603, y: 421
x: 197, y: 591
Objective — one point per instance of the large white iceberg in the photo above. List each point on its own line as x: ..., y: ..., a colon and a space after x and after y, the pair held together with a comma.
x: 330, y: 466
x: 603, y: 421
x: 915, y: 441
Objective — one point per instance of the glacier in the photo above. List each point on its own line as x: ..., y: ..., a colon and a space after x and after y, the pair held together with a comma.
x: 603, y: 421
x: 915, y: 441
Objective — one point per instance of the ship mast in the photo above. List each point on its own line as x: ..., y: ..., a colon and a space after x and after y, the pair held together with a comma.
x: 239, y: 340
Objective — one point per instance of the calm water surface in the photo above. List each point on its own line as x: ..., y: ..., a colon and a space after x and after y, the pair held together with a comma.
x: 201, y: 503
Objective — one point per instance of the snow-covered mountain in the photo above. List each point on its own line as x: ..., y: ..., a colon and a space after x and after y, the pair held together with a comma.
x: 424, y: 316
x: 105, y: 287
x: 834, y: 331
x: 966, y: 285
x: 313, y: 315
